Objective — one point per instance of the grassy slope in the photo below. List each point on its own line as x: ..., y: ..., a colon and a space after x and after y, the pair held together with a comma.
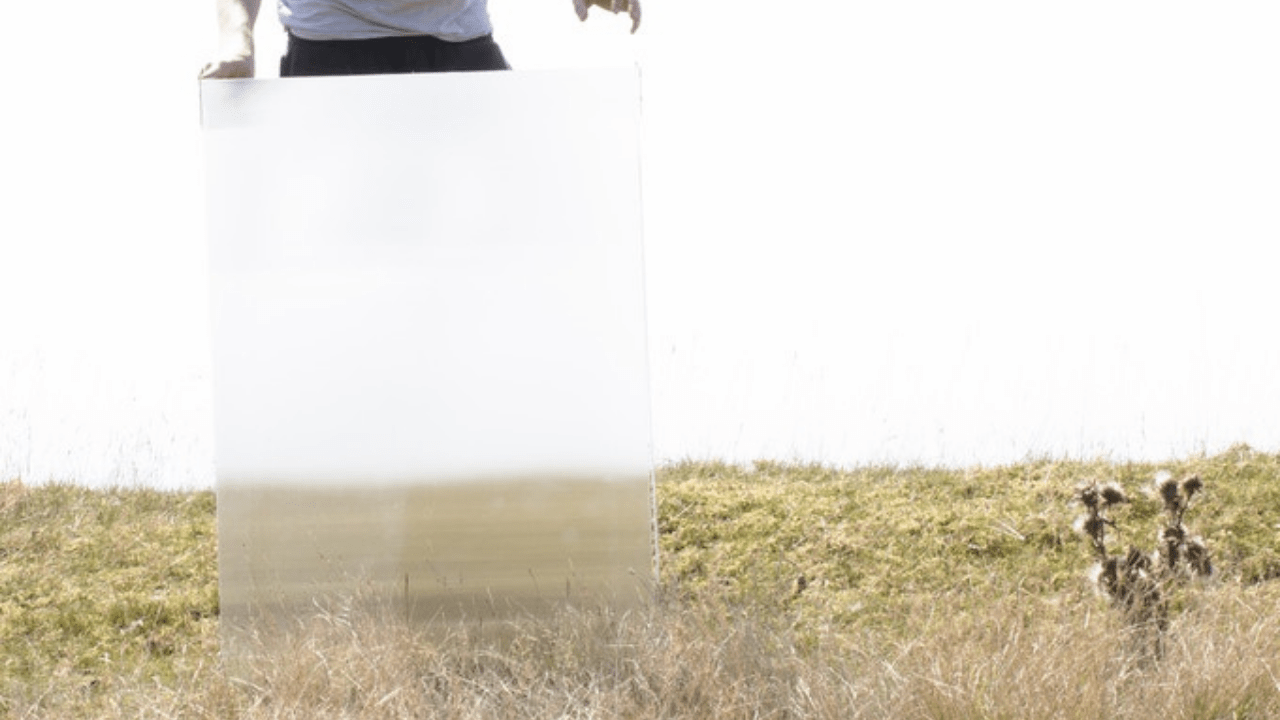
x: 106, y: 592
x: 883, y: 548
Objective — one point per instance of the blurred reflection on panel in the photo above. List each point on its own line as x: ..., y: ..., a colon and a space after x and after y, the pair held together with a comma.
x: 431, y: 381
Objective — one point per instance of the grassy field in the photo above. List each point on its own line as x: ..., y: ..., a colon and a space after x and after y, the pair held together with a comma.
x: 786, y: 591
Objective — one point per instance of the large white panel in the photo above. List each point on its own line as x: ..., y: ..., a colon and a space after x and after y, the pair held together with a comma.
x: 429, y: 339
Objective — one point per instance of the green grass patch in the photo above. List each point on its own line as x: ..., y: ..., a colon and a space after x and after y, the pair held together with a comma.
x: 92, y: 581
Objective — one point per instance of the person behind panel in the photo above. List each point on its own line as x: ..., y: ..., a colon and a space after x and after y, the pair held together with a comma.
x: 364, y: 37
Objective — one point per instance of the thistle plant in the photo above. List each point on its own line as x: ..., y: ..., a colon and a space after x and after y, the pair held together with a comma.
x: 1135, y: 581
x: 1127, y: 579
x: 1181, y: 553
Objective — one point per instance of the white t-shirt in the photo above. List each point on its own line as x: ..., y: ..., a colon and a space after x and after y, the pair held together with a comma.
x: 452, y: 20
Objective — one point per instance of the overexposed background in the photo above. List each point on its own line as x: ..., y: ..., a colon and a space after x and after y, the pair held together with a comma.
x: 907, y: 232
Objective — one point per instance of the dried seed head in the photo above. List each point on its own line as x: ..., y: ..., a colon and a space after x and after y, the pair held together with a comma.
x: 1167, y: 488
x: 1173, y: 535
x: 1095, y: 526
x: 1090, y: 525
x: 1198, y: 557
x: 1136, y: 561
x: 1192, y: 485
x: 1087, y: 494
x: 1112, y: 494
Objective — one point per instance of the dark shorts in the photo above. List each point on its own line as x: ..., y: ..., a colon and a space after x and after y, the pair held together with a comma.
x: 378, y: 56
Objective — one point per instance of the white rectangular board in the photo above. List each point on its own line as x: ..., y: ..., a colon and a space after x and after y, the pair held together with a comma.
x: 430, y: 367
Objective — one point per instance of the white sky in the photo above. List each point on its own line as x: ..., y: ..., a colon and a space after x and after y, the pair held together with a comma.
x: 909, y: 231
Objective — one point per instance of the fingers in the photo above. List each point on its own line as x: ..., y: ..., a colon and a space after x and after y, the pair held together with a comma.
x: 632, y: 7
x: 234, y: 68
x: 615, y: 6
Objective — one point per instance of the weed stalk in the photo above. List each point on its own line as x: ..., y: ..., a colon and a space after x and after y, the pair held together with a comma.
x: 1138, y: 582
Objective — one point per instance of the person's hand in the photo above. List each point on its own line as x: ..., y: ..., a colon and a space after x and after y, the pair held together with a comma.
x: 631, y: 6
x: 239, y: 65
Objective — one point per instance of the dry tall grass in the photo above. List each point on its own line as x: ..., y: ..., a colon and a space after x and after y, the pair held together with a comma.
x: 1027, y: 658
